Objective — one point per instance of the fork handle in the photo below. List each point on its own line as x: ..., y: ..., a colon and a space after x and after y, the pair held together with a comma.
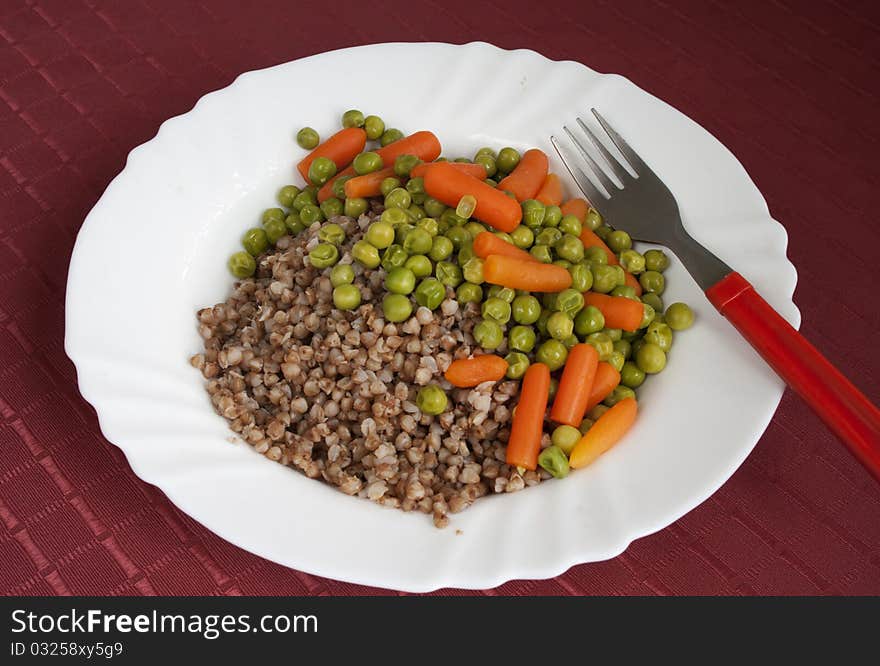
x: 832, y: 396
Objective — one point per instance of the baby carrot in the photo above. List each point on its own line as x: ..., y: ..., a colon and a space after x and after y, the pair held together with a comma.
x: 368, y: 185
x: 589, y: 239
x: 570, y: 403
x: 577, y: 207
x: 342, y: 148
x: 525, y: 274
x: 467, y: 372
x: 423, y: 145
x: 633, y: 282
x: 550, y: 193
x: 604, y: 433
x: 619, y: 311
x: 447, y: 184
x: 524, y: 442
x: 528, y: 176
x: 605, y: 380
x: 475, y: 170
x: 487, y: 243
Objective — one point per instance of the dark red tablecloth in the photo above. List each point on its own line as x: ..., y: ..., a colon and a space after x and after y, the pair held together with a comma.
x: 790, y: 87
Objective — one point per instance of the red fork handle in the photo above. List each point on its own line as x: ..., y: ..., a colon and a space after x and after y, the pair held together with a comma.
x: 832, y: 396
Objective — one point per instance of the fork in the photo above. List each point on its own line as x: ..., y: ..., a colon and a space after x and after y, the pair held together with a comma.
x: 648, y: 210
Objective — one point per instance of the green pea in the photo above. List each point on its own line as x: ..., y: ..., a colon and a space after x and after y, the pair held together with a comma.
x: 679, y: 316
x: 552, y: 353
x: 485, y: 150
x: 552, y: 216
x: 459, y: 237
x: 332, y: 207
x: 398, y: 198
x: 548, y: 300
x: 294, y: 223
x: 522, y: 237
x: 415, y: 185
x: 310, y: 213
x: 448, y: 215
x: 652, y: 281
x: 585, y: 425
x: 380, y: 235
x: 604, y: 278
x: 308, y: 138
x: 474, y: 228
x: 570, y: 248
x: 488, y: 163
x: 353, y: 118
x: 418, y: 241
x: 554, y: 388
x: 275, y: 229
x: 389, y: 184
x: 332, y: 233
x: 596, y: 413
x: 441, y: 248
x: 619, y: 241
x: 430, y: 293
x: 521, y: 338
x: 570, y: 341
x: 367, y: 162
x: 431, y: 400
x: 503, y: 235
x: 620, y: 276
x: 448, y: 273
x: 570, y: 224
x: 593, y: 220
x: 346, y: 297
x: 400, y: 280
x: 648, y: 316
x: 321, y: 170
x: 394, y: 257
x: 541, y: 323
x: 468, y: 292
x: 619, y: 393
x: 656, y: 260
x: 393, y: 217
x: 396, y: 307
x: 637, y: 344
x: 517, y: 364
x: 623, y: 347
x: 341, y: 274
x: 560, y: 326
x: 323, y: 255
x: 565, y: 437
x: 548, y: 236
x: 541, y: 253
x: 374, y: 126
x: 563, y: 263
x: 632, y: 261
x: 614, y: 333
x: 569, y: 301
x: 242, y: 264
x: 420, y: 265
x: 506, y: 294
x: 603, y: 232
x: 304, y: 198
x: 554, y: 460
x: 589, y: 320
x: 631, y: 375
x: 525, y: 309
x: 403, y: 164
x: 616, y: 360
x: 581, y: 277
x: 338, y: 187
x: 490, y: 182
x: 356, y: 207
x: 255, y: 241
x: 433, y: 207
x: 465, y: 254
x: 497, y: 310
x: 390, y: 136
x: 366, y: 254
x: 472, y: 271
x: 625, y: 291
x: 507, y: 159
x: 533, y: 212
x: 287, y: 194
x: 276, y: 214
x: 602, y: 343
x: 652, y: 299
x: 659, y: 334
x: 596, y: 256
x: 650, y: 358
x: 488, y: 334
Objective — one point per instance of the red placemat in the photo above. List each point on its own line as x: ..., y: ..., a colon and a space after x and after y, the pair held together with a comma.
x: 790, y: 87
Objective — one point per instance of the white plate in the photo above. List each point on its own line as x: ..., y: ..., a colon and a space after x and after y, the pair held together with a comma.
x: 154, y: 249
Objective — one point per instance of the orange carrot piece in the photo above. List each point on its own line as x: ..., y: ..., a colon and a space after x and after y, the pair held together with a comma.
x: 487, y: 243
x: 524, y: 442
x: 528, y: 176
x: 467, y: 372
x: 577, y: 207
x: 474, y: 170
x: 604, y: 433
x: 631, y: 281
x: 570, y: 403
x: 342, y: 148
x: 525, y: 274
x: 447, y: 184
x: 424, y: 145
x: 590, y: 239
x: 619, y: 311
x: 368, y: 185
x: 550, y: 193
x: 605, y: 380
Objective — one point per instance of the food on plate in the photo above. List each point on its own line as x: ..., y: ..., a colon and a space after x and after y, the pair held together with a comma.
x: 423, y: 332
